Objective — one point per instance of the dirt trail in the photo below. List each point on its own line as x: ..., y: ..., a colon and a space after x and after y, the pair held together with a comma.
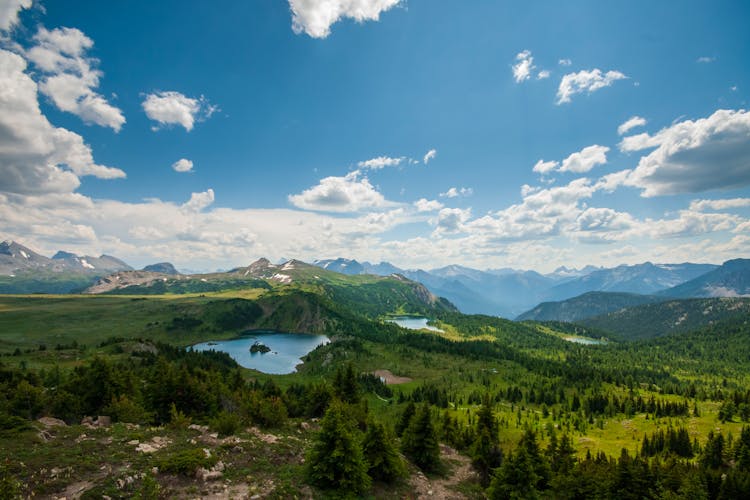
x: 443, y: 487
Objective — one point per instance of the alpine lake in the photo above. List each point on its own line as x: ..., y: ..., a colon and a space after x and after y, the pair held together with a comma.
x: 285, y: 350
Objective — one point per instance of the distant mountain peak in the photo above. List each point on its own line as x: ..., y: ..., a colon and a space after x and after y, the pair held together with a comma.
x: 261, y: 263
x: 162, y: 267
x: 62, y: 254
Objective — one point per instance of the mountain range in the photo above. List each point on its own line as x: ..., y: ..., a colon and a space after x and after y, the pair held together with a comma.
x: 562, y: 295
x: 510, y: 292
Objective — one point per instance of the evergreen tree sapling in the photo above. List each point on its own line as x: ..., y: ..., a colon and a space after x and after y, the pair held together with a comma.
x: 385, y: 463
x: 336, y: 460
x: 420, y: 442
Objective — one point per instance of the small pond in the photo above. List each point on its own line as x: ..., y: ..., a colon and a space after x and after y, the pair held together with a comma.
x: 585, y: 340
x: 287, y: 350
x: 413, y: 323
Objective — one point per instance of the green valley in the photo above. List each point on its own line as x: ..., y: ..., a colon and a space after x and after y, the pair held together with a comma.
x: 122, y: 356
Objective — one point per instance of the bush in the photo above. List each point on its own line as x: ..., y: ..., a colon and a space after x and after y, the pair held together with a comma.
x: 123, y: 409
x: 225, y: 423
x: 177, y: 419
x: 186, y: 462
x: 267, y: 412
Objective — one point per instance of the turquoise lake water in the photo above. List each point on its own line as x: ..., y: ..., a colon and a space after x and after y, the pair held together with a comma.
x: 287, y: 349
x: 413, y: 323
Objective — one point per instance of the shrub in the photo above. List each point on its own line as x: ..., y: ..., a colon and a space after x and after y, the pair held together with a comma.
x: 226, y: 423
x: 186, y: 462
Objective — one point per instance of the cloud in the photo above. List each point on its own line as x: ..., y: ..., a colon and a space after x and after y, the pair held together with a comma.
x: 543, y: 213
x: 381, y: 162
x: 429, y: 155
x: 451, y: 220
x: 425, y: 205
x: 9, y: 10
x: 585, y: 81
x: 174, y: 108
x: 580, y: 162
x: 564, y: 62
x: 456, y: 192
x: 725, y: 204
x: 688, y: 223
x: 523, y: 68
x: 351, y: 193
x: 315, y: 17
x: 542, y: 75
x: 705, y: 59
x: 693, y: 156
x: 195, y: 234
x: 594, y: 219
x: 183, y: 165
x: 545, y: 167
x: 69, y: 77
x: 199, y: 201
x: 36, y: 157
x: 629, y: 124
x: 610, y: 182
x: 585, y: 160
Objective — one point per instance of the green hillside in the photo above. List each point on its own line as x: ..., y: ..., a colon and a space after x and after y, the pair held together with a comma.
x: 521, y: 384
x: 654, y: 320
x: 585, y: 306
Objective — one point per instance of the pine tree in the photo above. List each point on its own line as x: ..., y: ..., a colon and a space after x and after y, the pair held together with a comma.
x: 385, y: 463
x: 336, y: 460
x: 515, y: 479
x: 345, y: 385
x: 419, y: 441
x: 485, y: 452
x: 405, y: 419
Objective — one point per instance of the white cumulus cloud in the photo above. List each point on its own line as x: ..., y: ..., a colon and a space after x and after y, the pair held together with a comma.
x: 723, y: 204
x: 70, y: 77
x: 429, y: 155
x: 315, y: 17
x: 545, y: 167
x: 199, y: 201
x: 451, y: 220
x: 35, y: 156
x: 585, y: 81
x: 174, y: 108
x: 631, y: 123
x: 350, y: 193
x: 9, y: 10
x: 381, y: 162
x: 585, y: 160
x: 183, y: 165
x: 524, y: 66
x: 425, y: 205
x: 693, y: 156
x: 455, y: 192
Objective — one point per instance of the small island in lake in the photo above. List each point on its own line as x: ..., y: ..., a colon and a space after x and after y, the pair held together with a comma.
x: 258, y: 347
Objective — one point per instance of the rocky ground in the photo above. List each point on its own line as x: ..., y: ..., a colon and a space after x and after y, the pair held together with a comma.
x: 97, y: 459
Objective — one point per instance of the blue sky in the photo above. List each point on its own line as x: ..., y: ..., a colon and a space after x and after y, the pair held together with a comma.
x: 422, y: 132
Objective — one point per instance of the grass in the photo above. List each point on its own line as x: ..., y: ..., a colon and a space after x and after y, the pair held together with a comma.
x: 102, y: 456
x: 29, y: 321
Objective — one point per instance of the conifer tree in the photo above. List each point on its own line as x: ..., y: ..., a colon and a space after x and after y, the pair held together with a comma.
x: 405, y: 419
x: 336, y: 460
x: 515, y: 479
x: 385, y: 463
x: 419, y: 441
x: 345, y: 385
x: 485, y: 452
